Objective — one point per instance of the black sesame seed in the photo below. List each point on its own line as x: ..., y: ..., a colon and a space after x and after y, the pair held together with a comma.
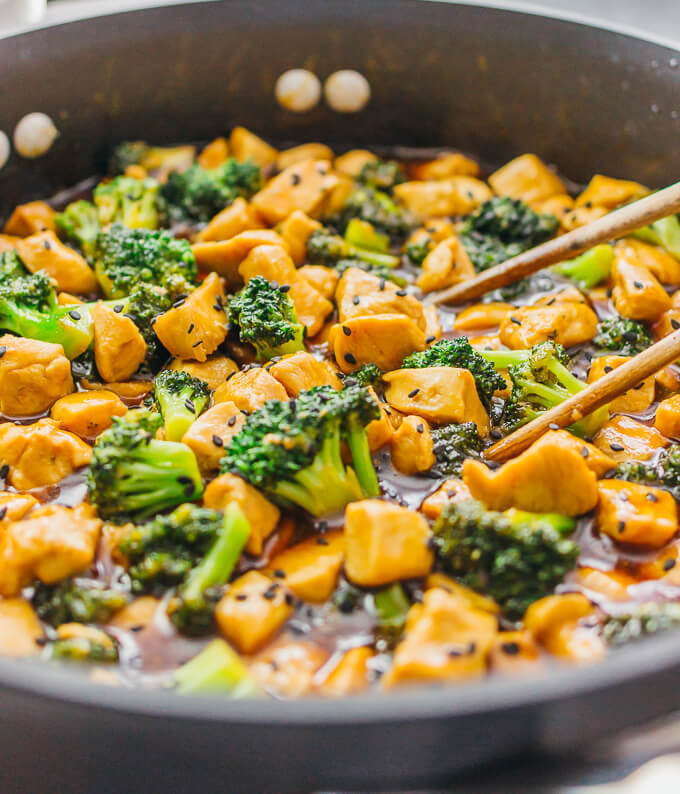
x: 231, y: 421
x: 189, y: 406
x: 608, y: 369
x: 675, y: 323
x: 346, y: 331
x: 651, y: 497
x: 189, y: 490
x: 402, y: 293
x: 429, y: 339
x: 118, y: 308
x: 515, y: 320
x: 584, y: 452
x: 322, y: 526
x: 284, y: 288
x: 420, y: 428
x: 622, y: 526
x: 200, y: 342
x: 241, y: 596
x: 41, y: 641
x: 295, y: 179
x: 355, y: 300
x: 270, y: 592
x: 217, y: 441
x: 381, y: 284
x: 137, y: 628
x: 183, y: 479
x: 74, y: 315
x: 510, y: 648
x: 280, y: 573
x: 4, y: 470
x: 349, y: 358
x: 553, y: 426
x: 637, y: 284
x: 413, y: 392
x: 3, y: 512
x: 289, y: 599
x: 495, y: 434
x: 322, y: 541
x: 191, y: 328
x: 47, y: 245
x: 616, y: 447
x: 668, y: 565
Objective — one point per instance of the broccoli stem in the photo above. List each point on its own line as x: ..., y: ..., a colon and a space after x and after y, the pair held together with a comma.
x: 218, y: 564
x: 590, y: 268
x: 391, y: 606
x: 217, y: 669
x: 326, y: 485
x: 664, y: 232
x: 361, y: 458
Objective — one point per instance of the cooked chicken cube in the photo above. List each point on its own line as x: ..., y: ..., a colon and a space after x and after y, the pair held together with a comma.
x: 359, y: 294
x: 350, y: 675
x: 456, y: 195
x: 604, y: 191
x: 635, y: 400
x: 250, y: 389
x: 234, y: 219
x: 637, y: 514
x: 302, y: 186
x: 305, y: 151
x: 444, y: 166
x: 554, y: 623
x: 119, y: 348
x: 482, y: 315
x: 667, y: 420
x: 21, y: 633
x: 569, y: 323
x: 302, y: 371
x: 295, y: 231
x: 211, y: 432
x: 412, y: 446
x: 624, y: 438
x: 445, y: 265
x: 87, y: 413
x: 637, y: 293
x: 27, y: 219
x: 528, y: 178
x: 310, y: 569
x: 44, y: 251
x: 244, y: 145
x: 214, y: 371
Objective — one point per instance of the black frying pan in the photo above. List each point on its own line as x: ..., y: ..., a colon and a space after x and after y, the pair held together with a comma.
x: 492, y: 82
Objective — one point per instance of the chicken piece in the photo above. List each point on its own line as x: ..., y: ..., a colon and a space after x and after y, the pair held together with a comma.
x: 132, y: 392
x: 433, y: 326
x: 445, y: 640
x: 611, y: 584
x: 213, y: 371
x: 661, y: 264
x: 203, y: 312
x: 380, y: 431
x: 514, y: 652
x: 225, y: 256
x: 119, y: 347
x: 554, y: 623
x: 289, y: 668
x: 569, y: 323
x: 14, y: 506
x: 246, y: 617
x: 667, y: 420
x: 580, y: 216
x: 33, y: 375
x: 87, y: 413
x: 445, y: 265
x: 444, y: 165
x: 603, y: 191
x: 439, y: 394
x: 528, y: 178
x: 261, y: 514
x: 337, y: 197
x: 88, y: 634
x: 558, y: 205
x: 450, y: 491
x: 302, y: 371
x: 635, y: 400
x: 27, y: 219
x: 137, y: 615
x: 351, y: 163
x: 380, y: 339
x: 303, y: 186
x: 244, y: 144
x: 250, y: 389
x: 350, y: 675
x: 457, y: 195
x: 52, y: 543
x: 211, y: 432
x: 44, y: 251
x: 214, y: 153
x: 40, y: 454
x: 384, y: 543
x: 552, y: 476
x: 433, y: 231
x: 359, y: 294
x: 623, y: 438
x: 482, y: 315
x: 471, y: 597
x: 637, y: 293
x: 21, y: 632
x: 275, y: 264
x: 636, y: 514
x: 323, y: 279
x: 311, y: 568
x: 66, y: 299
x: 8, y: 242
x: 236, y: 218
x: 412, y: 446
x: 295, y: 231
x: 301, y: 153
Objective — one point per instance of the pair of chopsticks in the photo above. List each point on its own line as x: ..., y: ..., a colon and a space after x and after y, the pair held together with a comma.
x: 616, y: 224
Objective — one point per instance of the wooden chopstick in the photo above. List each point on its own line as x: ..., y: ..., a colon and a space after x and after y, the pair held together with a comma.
x: 599, y: 393
x: 615, y: 224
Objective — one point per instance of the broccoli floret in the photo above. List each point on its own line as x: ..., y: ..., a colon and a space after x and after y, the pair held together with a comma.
x: 84, y: 649
x: 152, y: 158
x: 131, y: 202
x: 391, y: 607
x: 29, y: 308
x: 590, y: 268
x: 664, y: 232
x: 381, y: 174
x: 162, y: 552
x: 503, y: 227
x: 513, y: 558
x: 664, y: 472
x: 198, y: 194
x: 625, y: 336
x: 79, y: 223
x: 452, y: 444
x: 144, y: 303
x: 418, y: 250
x: 292, y: 449
x: 265, y: 317
x: 181, y: 398
x: 366, y: 375
x: 192, y: 611
x: 541, y: 380
x: 126, y: 154
x: 11, y: 266
x: 216, y: 670
x: 76, y: 601
x: 132, y: 474
x: 325, y: 247
x: 379, y: 209
x: 460, y: 353
x: 648, y: 618
x: 124, y: 257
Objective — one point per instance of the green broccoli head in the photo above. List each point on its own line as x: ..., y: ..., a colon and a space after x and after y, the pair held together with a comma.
x: 132, y: 474
x: 84, y: 649
x: 292, y: 449
x: 622, y: 335
x: 663, y: 472
x: 377, y: 208
x: 366, y: 375
x: 513, y: 559
x: 126, y: 154
x: 325, y: 247
x: 198, y: 194
x: 144, y: 303
x: 503, y: 227
x: 644, y: 620
x: 79, y: 223
x: 265, y: 317
x: 130, y: 202
x: 418, y: 250
x: 459, y: 352
x: 381, y: 174
x: 125, y: 257
x: 452, y: 444
x: 11, y: 266
x: 76, y: 601
x: 181, y: 398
